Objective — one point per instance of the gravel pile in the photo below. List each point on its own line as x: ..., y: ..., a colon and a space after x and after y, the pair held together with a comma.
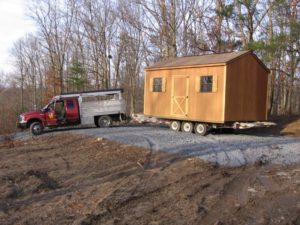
x: 221, y: 149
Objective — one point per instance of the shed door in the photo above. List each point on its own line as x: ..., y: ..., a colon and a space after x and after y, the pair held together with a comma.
x: 179, y: 101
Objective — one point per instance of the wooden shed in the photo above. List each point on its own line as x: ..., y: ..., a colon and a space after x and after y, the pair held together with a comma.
x: 212, y: 89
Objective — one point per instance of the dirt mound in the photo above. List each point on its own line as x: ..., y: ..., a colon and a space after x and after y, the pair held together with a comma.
x: 291, y: 127
x: 72, y: 179
x: 285, y: 126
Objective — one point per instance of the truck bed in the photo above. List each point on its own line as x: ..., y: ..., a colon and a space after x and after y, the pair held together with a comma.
x: 88, y: 110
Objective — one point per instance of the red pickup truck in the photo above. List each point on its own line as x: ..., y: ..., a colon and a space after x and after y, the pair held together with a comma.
x: 100, y: 108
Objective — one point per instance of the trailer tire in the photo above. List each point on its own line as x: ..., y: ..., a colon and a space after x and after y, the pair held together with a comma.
x: 201, y: 129
x: 187, y: 127
x: 104, y: 121
x: 36, y: 128
x: 175, y: 125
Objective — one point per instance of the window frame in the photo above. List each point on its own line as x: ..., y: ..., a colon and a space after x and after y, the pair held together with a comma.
x: 154, y: 86
x: 206, y: 87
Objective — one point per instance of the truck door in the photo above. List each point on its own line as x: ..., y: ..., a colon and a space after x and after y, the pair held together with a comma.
x: 72, y: 111
x: 50, y: 115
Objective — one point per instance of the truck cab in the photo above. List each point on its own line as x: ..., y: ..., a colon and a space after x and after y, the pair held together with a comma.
x: 61, y: 112
x: 100, y: 108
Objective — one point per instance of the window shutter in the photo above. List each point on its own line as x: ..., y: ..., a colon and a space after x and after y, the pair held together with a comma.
x: 163, y: 88
x: 197, y: 84
x: 215, y: 83
x: 151, y: 84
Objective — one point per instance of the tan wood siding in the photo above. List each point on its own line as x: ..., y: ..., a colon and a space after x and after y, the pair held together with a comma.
x: 246, y: 90
x: 200, y: 106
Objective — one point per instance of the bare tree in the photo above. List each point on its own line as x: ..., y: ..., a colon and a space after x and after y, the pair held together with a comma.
x: 87, y: 45
x: 54, y: 19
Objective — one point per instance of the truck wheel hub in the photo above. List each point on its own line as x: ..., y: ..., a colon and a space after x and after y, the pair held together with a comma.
x: 37, y: 128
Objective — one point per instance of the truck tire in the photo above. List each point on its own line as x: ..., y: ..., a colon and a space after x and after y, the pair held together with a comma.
x: 104, y: 121
x: 187, y: 127
x: 96, y: 122
x: 36, y: 128
x: 175, y: 125
x: 201, y: 129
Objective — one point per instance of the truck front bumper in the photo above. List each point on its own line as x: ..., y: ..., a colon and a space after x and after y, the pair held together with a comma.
x: 22, y: 125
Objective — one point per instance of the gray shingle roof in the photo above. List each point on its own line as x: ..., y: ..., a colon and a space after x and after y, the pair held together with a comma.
x: 198, y: 60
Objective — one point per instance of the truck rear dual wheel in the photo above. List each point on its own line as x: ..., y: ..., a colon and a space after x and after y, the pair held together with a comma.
x: 36, y: 128
x: 104, y: 121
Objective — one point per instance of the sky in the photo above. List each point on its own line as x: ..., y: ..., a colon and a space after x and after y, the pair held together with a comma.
x: 14, y: 24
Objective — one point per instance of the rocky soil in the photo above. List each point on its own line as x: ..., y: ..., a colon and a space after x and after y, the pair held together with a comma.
x: 63, y: 178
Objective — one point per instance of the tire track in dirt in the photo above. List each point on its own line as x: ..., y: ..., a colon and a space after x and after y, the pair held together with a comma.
x: 105, y: 185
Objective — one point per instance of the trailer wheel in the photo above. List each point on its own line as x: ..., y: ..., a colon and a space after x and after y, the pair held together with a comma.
x: 187, y: 127
x: 201, y: 129
x: 36, y: 128
x: 104, y: 121
x: 175, y: 125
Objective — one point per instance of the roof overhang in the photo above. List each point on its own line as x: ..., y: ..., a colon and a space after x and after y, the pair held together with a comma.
x: 185, y: 67
x: 256, y: 58
x: 210, y: 65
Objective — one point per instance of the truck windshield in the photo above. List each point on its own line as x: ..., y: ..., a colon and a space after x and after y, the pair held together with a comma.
x: 46, y: 107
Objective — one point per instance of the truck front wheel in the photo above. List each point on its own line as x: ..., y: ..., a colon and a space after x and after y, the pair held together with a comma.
x: 36, y: 128
x: 104, y: 121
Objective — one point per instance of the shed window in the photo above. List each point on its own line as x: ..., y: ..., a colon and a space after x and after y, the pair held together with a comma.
x: 157, y: 84
x: 206, y: 83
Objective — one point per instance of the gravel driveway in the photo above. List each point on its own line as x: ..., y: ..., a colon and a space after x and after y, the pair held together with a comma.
x: 222, y: 149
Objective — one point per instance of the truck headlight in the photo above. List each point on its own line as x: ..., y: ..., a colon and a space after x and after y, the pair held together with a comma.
x: 22, y: 118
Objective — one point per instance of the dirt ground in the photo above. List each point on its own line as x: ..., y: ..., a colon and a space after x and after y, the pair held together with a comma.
x: 69, y: 179
x: 286, y: 126
x: 289, y: 126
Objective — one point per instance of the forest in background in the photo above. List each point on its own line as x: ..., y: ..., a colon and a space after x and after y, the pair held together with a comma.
x: 85, y: 45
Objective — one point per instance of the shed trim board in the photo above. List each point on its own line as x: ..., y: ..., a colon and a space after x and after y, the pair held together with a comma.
x: 185, y: 67
x: 224, y: 96
x: 189, y: 119
x: 267, y: 97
